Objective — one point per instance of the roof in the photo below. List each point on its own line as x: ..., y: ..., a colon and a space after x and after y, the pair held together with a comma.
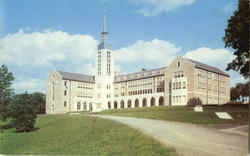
x: 140, y: 75
x: 77, y: 77
x: 208, y: 67
x: 104, y: 45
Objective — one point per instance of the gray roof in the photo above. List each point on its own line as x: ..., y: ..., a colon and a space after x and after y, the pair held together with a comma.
x: 208, y: 68
x: 104, y: 45
x: 77, y: 77
x: 140, y: 75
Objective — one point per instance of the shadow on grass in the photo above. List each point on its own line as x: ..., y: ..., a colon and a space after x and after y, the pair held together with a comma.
x: 30, y: 130
x: 10, y: 125
x: 6, y: 126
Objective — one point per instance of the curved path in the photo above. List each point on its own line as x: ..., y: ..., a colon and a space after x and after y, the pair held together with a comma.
x: 189, y: 139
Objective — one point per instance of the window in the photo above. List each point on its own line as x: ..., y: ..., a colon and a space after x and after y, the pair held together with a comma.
x: 85, y: 106
x: 184, y: 85
x: 78, y: 106
x: 65, y: 92
x: 65, y: 103
x: 65, y: 83
x: 178, y: 64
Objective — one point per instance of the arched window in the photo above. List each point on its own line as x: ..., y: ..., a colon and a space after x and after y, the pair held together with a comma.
x: 144, y: 102
x: 90, y: 107
x: 129, y: 103
x: 109, y: 105
x: 115, y: 105
x: 161, y: 101
x: 136, y: 103
x: 122, y: 104
x: 152, y: 101
x: 78, y: 106
x: 85, y: 106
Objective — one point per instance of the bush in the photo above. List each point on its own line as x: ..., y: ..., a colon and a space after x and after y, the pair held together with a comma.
x: 233, y: 103
x: 23, y: 113
x: 194, y: 102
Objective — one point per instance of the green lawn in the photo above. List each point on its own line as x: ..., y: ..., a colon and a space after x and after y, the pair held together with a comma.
x: 81, y: 135
x: 184, y: 114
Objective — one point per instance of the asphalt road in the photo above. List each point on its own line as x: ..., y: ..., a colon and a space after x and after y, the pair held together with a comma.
x: 189, y: 139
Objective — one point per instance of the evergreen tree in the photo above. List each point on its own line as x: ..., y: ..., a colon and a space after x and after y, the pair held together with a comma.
x: 23, y: 113
x: 6, y: 92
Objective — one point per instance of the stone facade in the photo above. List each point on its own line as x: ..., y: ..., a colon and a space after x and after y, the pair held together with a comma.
x: 173, y: 85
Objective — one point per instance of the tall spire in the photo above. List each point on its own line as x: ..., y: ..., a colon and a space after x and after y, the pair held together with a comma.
x: 104, y: 44
x: 105, y: 23
x: 104, y: 33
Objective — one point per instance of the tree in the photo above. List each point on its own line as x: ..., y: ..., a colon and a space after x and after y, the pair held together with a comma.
x: 38, y: 99
x: 23, y: 113
x: 235, y: 94
x: 194, y: 102
x: 6, y: 92
x: 237, y: 37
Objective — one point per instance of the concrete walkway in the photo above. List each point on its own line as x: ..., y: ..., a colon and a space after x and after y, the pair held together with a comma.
x: 189, y: 139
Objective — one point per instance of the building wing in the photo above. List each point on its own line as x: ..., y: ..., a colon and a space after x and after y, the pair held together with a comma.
x: 140, y: 75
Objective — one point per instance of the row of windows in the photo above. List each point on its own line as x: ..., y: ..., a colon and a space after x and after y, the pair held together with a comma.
x: 178, y: 75
x: 139, y: 85
x: 85, y: 87
x: 136, y: 92
x: 179, y: 85
x: 108, y: 86
x: 179, y: 99
x: 145, y: 73
x: 79, y: 106
x: 84, y: 96
x: 204, y: 75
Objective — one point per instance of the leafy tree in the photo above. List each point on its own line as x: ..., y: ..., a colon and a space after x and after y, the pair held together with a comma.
x: 235, y: 94
x: 23, y: 113
x: 6, y: 92
x: 38, y: 99
x: 237, y: 37
x: 242, y: 89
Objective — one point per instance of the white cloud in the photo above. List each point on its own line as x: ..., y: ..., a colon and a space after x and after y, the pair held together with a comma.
x: 46, y: 48
x: 76, y: 53
x: 217, y: 58
x: 155, y: 7
x: 30, y: 85
x: 214, y: 57
x: 157, y: 51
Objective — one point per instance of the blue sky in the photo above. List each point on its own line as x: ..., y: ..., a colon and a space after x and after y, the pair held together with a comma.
x: 39, y: 36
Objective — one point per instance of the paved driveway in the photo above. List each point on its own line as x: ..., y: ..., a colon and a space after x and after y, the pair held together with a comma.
x: 189, y: 139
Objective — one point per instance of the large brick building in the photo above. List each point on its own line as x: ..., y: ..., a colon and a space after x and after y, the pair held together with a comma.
x: 172, y: 85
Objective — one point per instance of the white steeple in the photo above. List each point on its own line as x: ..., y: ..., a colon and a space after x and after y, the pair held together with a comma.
x: 104, y: 77
x: 104, y: 44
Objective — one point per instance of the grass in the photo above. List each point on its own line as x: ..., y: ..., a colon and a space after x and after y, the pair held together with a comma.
x: 184, y: 114
x: 81, y: 135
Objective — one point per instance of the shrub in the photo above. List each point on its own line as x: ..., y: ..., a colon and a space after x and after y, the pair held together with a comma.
x: 194, y: 102
x: 233, y: 103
